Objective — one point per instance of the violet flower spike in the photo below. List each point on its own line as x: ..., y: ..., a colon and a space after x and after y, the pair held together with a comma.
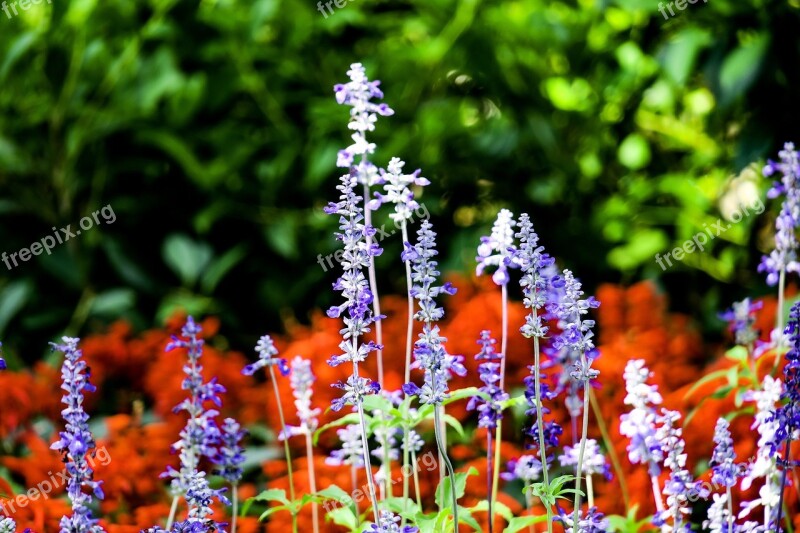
x: 784, y: 257
x: 358, y: 94
x: 200, y: 435
x: 742, y: 317
x: 397, y: 191
x: 301, y: 382
x: 390, y: 524
x: 497, y: 250
x: 489, y: 410
x: 267, y: 353
x: 76, y: 441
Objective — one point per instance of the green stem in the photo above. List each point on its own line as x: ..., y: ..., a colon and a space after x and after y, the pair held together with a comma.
x: 499, y: 432
x: 612, y: 452
x: 235, y: 506
x: 312, y: 481
x: 417, y: 492
x: 443, y: 454
x: 584, y: 431
x: 365, y: 438
x: 537, y: 380
x: 286, y: 451
x: 373, y: 287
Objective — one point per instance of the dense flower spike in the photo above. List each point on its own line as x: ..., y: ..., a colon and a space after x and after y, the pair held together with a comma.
x: 429, y: 351
x: 497, y: 250
x: 742, y: 317
x: 723, y: 461
x: 592, y: 522
x: 397, y: 191
x: 390, y: 524
x: 352, y: 450
x: 358, y: 93
x: 200, y: 436
x: 764, y: 465
x: 784, y: 257
x: 266, y: 357
x: 301, y: 381
x: 574, y: 341
x: 489, y: 410
x: 681, y: 488
x: 230, y: 455
x: 527, y: 469
x: 594, y: 462
x: 639, y: 425
x: 788, y: 415
x: 76, y: 441
x: 536, y: 277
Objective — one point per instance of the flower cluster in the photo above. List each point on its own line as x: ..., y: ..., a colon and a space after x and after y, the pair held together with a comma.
x: 267, y: 353
x: 230, y: 455
x: 390, y: 524
x: 639, y: 424
x: 784, y: 257
x: 358, y: 94
x: 742, y: 318
x: 489, y: 407
x: 301, y: 381
x: 76, y: 441
x: 201, y: 435
x: 593, y: 522
x: 594, y: 462
x: 573, y: 348
x: 497, y: 250
x: 397, y: 191
x: 429, y: 351
x: 352, y: 450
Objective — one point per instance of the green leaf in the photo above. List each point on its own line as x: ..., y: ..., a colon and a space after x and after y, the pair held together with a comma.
x: 12, y: 299
x: 350, y: 418
x: 519, y: 523
x: 343, y: 516
x: 221, y: 266
x: 443, y: 496
x: 186, y: 257
x: 740, y: 68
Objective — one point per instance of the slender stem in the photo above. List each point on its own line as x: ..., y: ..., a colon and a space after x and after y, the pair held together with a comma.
x: 367, y: 462
x: 537, y: 380
x: 443, y: 433
x: 404, y: 472
x: 235, y: 506
x: 730, y: 509
x: 499, y: 430
x: 529, y: 506
x: 354, y: 481
x: 410, y: 323
x: 443, y: 454
x: 657, y: 494
x: 417, y: 492
x: 584, y: 431
x: 172, y: 510
x: 779, y: 317
x: 612, y: 452
x: 312, y: 481
x: 373, y: 287
x: 489, y: 478
x: 286, y: 451
x: 787, y: 454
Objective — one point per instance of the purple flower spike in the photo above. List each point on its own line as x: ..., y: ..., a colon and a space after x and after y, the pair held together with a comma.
x: 489, y: 411
x: 301, y: 381
x: 267, y: 351
x: 784, y: 256
x: 389, y: 524
x: 230, y: 455
x: 742, y: 316
x: 397, y: 191
x: 76, y: 441
x: 497, y: 250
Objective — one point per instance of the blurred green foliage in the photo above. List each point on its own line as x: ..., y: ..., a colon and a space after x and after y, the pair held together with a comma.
x: 211, y: 129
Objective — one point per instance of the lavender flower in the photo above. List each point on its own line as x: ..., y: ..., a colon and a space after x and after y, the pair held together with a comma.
x: 490, y: 410
x: 76, y: 440
x: 742, y: 317
x: 199, y: 497
x: 527, y: 468
x: 398, y: 192
x: 536, y: 278
x: 497, y: 250
x: 429, y: 352
x: 594, y: 462
x: 788, y: 415
x: 301, y: 381
x: 389, y: 524
x: 639, y: 425
x: 764, y: 465
x: 352, y: 450
x: 592, y: 522
x: 680, y: 488
x: 574, y: 342
x: 358, y: 93
x: 200, y: 435
x: 266, y: 357
x: 718, y: 515
x: 230, y: 455
x: 3, y: 366
x: 723, y: 460
x: 784, y: 257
